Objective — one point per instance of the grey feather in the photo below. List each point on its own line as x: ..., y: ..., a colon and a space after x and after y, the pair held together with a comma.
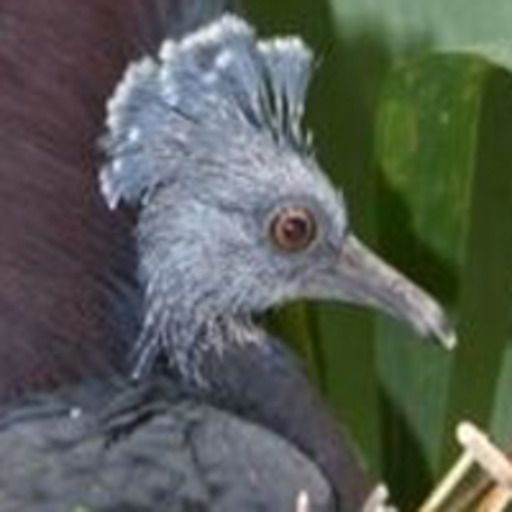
x: 188, y: 456
x: 181, y: 17
x: 216, y: 83
x: 206, y: 140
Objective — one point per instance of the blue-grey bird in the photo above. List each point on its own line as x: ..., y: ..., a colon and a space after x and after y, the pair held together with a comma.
x: 204, y: 141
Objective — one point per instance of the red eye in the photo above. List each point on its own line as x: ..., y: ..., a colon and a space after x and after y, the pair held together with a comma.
x: 293, y: 229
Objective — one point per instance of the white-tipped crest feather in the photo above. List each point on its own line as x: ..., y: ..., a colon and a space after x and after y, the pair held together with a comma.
x: 159, y: 103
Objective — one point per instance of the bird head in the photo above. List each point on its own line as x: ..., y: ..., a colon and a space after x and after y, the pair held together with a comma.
x: 235, y: 215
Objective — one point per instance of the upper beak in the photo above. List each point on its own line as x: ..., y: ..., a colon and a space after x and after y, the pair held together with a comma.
x: 361, y: 277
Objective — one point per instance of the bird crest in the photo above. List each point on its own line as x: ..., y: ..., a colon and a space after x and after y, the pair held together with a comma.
x: 199, y: 95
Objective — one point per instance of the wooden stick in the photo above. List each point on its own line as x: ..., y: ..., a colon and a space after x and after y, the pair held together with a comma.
x: 449, y: 483
x: 477, y: 448
x: 495, y: 501
x: 486, y: 454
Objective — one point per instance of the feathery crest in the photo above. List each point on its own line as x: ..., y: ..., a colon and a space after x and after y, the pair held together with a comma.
x: 203, y: 91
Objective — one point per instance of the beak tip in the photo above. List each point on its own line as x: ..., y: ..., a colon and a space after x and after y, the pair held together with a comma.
x: 443, y: 329
x: 449, y: 340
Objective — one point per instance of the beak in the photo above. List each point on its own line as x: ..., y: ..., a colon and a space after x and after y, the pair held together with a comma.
x: 361, y: 277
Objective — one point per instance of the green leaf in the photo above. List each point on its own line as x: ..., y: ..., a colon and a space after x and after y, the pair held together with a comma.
x: 296, y: 324
x: 501, y: 425
x: 443, y: 132
x: 406, y: 25
x: 486, y: 293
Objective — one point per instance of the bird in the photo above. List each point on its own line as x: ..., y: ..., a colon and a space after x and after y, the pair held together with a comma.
x: 223, y: 213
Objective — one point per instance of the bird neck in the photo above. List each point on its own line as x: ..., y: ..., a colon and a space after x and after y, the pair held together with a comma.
x: 235, y: 365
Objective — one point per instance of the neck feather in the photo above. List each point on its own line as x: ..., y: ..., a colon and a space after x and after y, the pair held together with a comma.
x: 233, y: 364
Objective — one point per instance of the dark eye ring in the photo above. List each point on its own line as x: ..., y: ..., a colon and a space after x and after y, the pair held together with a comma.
x: 293, y: 229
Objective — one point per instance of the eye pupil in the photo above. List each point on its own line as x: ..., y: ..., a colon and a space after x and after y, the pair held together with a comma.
x: 293, y: 229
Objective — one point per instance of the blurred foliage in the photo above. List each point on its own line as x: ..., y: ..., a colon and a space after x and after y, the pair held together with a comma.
x: 411, y: 108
